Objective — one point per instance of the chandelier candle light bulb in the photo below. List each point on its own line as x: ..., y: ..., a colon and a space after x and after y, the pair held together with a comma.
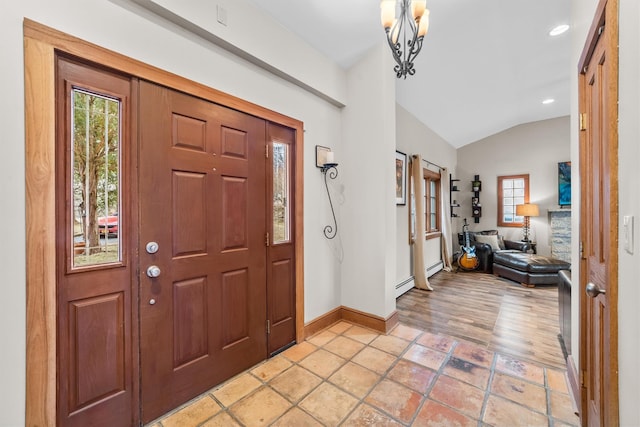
x: 405, y: 32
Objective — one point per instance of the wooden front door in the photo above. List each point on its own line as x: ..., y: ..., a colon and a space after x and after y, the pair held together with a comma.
x: 202, y: 202
x: 599, y: 220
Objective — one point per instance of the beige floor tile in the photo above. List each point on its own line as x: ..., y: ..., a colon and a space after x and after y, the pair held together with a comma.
x: 271, y: 368
x: 340, y: 327
x: 390, y: 344
x: 299, y: 351
x: 374, y: 359
x: 322, y: 363
x: 354, y: 379
x: 328, y: 404
x: 557, y: 380
x: 363, y: 335
x: 296, y: 418
x: 344, y: 347
x: 562, y: 408
x: 425, y: 356
x: 295, y: 383
x: 221, y: 420
x: 236, y: 389
x: 467, y: 372
x: 396, y: 400
x: 518, y: 368
x: 503, y: 413
x: 474, y: 353
x: 366, y: 416
x: 260, y: 408
x: 557, y: 423
x: 405, y: 332
x: 321, y: 338
x: 520, y: 391
x: 436, y: 342
x: 194, y: 414
x: 434, y: 414
x: 458, y: 395
x: 412, y: 375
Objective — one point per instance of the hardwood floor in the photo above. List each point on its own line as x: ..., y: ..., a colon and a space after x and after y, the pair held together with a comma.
x: 496, y: 313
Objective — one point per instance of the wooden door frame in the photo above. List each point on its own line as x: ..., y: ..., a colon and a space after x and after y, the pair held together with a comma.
x: 606, y: 14
x: 41, y: 45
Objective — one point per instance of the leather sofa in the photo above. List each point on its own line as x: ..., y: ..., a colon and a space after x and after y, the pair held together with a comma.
x: 485, y: 252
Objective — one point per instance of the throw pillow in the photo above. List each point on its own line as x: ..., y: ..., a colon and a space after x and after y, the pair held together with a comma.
x: 501, y: 243
x: 490, y: 240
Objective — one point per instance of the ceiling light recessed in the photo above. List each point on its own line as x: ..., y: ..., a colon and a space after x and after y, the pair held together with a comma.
x: 559, y: 30
x: 548, y: 101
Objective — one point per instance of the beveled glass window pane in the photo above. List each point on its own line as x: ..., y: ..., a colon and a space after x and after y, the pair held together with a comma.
x: 281, y: 188
x: 95, y: 180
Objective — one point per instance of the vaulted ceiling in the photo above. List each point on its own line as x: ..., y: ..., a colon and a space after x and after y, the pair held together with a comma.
x: 486, y: 65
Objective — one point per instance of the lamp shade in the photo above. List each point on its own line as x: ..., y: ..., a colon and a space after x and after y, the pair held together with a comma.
x: 528, y: 209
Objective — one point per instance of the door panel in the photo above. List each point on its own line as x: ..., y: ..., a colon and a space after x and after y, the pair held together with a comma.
x: 95, y: 348
x: 202, y: 180
x: 281, y: 286
x: 599, y: 222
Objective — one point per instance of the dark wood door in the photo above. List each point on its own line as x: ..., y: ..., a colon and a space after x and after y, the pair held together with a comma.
x: 202, y: 201
x: 96, y: 356
x: 281, y: 266
x: 599, y: 221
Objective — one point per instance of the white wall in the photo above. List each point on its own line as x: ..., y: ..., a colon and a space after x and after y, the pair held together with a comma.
x: 629, y: 200
x: 368, y: 214
x: 532, y: 148
x: 413, y: 137
x: 138, y: 34
x: 629, y: 204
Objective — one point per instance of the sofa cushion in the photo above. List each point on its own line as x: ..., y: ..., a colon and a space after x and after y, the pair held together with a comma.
x: 531, y: 263
x: 491, y: 240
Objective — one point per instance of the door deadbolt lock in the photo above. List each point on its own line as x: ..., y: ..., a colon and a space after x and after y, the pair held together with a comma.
x: 153, y: 271
x: 152, y: 247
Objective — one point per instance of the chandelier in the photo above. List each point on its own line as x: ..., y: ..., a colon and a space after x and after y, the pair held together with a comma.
x: 405, y: 32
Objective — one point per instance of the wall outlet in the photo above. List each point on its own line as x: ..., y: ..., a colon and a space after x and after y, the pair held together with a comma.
x: 627, y: 224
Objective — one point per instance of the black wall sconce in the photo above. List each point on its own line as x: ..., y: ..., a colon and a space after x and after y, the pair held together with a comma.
x: 325, y: 160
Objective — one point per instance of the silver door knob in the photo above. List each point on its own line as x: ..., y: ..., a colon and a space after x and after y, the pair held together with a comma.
x: 153, y: 271
x: 593, y: 290
x: 152, y: 247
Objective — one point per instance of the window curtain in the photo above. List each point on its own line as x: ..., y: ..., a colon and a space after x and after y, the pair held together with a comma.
x: 445, y: 220
x: 419, y: 271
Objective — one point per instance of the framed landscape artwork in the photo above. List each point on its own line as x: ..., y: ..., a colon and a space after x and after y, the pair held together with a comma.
x: 401, y: 178
x: 564, y: 184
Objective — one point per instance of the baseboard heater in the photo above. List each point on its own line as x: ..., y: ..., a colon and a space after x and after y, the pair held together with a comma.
x: 408, y: 284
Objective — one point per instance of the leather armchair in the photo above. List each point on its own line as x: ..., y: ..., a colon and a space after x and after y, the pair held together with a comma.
x: 485, y: 252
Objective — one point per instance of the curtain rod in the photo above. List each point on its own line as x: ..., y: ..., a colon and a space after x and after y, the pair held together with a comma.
x: 432, y: 164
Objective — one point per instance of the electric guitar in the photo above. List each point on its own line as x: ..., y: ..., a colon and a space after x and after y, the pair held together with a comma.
x: 468, y: 260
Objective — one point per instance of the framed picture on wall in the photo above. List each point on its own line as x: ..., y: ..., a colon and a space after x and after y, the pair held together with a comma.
x: 401, y: 178
x: 564, y: 184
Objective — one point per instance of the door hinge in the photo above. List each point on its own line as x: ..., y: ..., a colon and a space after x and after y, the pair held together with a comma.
x: 583, y: 121
x: 581, y: 378
x: 581, y: 250
x: 266, y: 239
x: 266, y: 151
x: 268, y: 326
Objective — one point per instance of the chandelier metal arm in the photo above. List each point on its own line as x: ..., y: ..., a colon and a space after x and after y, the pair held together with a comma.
x: 405, y: 40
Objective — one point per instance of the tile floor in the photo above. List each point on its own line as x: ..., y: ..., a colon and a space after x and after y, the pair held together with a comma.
x: 351, y: 376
